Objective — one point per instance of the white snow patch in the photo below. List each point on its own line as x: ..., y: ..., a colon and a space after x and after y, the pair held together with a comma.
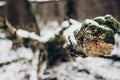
x: 25, y: 53
x: 65, y: 24
x: 108, y: 15
x: 69, y: 33
x: 78, y: 69
x: 91, y: 22
x: 116, y: 50
x: 15, y: 71
x: 5, y: 46
x: 2, y: 3
x: 49, y: 30
x: 33, y: 72
x: 22, y: 33
x: 2, y: 35
x: 100, y: 17
x: 8, y: 56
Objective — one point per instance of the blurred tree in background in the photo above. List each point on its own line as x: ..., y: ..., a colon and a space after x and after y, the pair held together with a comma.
x: 19, y: 13
x: 91, y: 8
x: 58, y: 10
x: 77, y: 9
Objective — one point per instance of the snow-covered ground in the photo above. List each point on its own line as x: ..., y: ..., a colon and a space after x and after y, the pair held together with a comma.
x: 89, y: 68
x: 22, y: 63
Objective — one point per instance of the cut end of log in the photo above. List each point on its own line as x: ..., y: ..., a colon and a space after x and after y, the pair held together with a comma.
x: 96, y: 36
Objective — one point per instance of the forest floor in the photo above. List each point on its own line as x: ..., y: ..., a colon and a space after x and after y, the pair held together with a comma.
x: 21, y: 64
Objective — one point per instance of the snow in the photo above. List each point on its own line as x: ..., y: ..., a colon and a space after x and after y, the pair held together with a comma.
x: 101, y: 17
x: 2, y: 35
x: 5, y: 46
x: 23, y: 62
x: 6, y: 54
x: 49, y: 30
x: 46, y: 32
x: 32, y: 35
x: 18, y: 66
x: 26, y: 34
x: 14, y: 71
x: 116, y: 50
x: 91, y: 22
x: 33, y: 71
x: 108, y: 15
x: 25, y: 53
x: 95, y: 66
x: 22, y: 33
x: 69, y: 32
x: 2, y: 3
x: 65, y: 24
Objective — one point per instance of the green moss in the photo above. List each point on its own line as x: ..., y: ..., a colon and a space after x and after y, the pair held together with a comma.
x: 107, y: 25
x: 109, y: 37
x: 99, y: 20
x: 113, y: 25
x: 109, y: 21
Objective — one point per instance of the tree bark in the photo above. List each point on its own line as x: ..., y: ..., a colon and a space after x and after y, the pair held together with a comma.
x: 71, y: 9
x: 19, y: 13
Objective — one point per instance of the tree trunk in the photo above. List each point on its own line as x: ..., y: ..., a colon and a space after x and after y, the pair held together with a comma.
x: 71, y: 9
x: 19, y: 13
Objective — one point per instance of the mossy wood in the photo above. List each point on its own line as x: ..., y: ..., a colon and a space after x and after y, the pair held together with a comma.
x: 96, y: 36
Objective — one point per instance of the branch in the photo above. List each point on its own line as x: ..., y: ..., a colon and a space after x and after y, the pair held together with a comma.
x: 9, y: 62
x: 113, y: 57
